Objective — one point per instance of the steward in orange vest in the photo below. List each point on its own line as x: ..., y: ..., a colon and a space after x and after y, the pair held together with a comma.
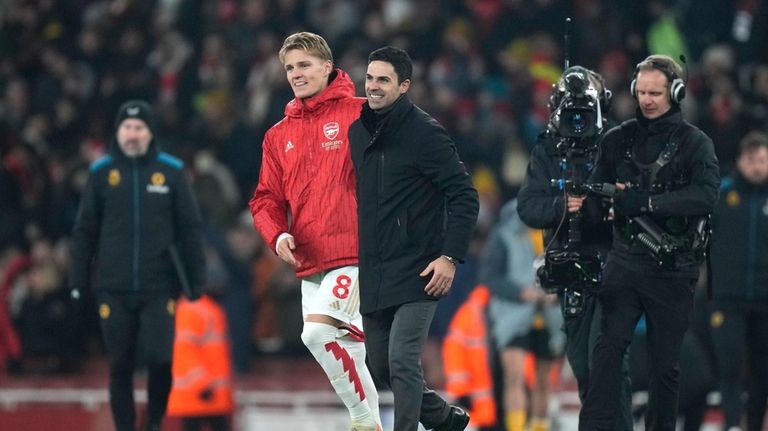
x: 202, y: 366
x: 466, y: 359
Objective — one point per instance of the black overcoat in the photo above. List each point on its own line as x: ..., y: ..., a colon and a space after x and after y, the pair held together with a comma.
x: 415, y: 202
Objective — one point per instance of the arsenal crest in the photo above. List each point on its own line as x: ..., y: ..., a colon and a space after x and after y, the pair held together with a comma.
x: 331, y: 130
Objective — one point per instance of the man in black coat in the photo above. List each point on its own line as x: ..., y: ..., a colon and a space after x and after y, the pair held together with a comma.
x: 138, y: 232
x: 667, y: 177
x: 739, y: 312
x: 417, y: 209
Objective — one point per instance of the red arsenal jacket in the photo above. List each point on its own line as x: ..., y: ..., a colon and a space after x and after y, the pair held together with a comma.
x: 307, y: 183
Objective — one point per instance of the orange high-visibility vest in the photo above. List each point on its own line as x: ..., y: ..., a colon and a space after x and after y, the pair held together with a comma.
x: 201, y: 360
x: 466, y: 360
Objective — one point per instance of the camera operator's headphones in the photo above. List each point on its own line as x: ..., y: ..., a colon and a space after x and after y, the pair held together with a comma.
x: 605, y: 95
x: 663, y: 64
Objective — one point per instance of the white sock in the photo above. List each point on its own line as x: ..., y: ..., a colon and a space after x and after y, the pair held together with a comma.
x: 339, y: 366
x: 357, y: 350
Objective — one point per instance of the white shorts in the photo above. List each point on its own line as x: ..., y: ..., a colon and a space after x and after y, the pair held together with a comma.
x: 334, y: 293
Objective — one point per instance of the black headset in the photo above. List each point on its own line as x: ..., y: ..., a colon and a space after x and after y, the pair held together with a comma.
x: 605, y: 95
x: 675, y: 84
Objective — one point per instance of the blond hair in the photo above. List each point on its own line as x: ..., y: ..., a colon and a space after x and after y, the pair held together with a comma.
x: 312, y: 43
x: 664, y: 63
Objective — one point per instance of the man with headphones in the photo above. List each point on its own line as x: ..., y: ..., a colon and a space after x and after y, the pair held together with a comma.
x: 544, y: 206
x: 666, y: 176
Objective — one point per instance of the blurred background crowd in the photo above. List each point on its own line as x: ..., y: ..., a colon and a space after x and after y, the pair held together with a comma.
x: 484, y: 68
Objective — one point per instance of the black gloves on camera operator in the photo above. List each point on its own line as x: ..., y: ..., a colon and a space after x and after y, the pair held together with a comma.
x: 630, y: 203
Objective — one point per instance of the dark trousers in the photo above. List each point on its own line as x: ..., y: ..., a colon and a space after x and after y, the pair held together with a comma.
x: 667, y: 304
x: 740, y: 329
x: 214, y: 423
x: 581, y: 336
x: 126, y: 321
x: 394, y: 340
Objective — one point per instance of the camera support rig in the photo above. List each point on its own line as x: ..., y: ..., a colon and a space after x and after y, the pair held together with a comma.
x: 572, y: 269
x: 576, y: 120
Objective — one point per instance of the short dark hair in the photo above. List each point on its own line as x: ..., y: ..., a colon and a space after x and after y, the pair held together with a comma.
x: 398, y: 58
x: 753, y: 141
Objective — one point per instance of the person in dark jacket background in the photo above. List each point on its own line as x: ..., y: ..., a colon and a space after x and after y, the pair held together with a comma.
x: 739, y: 312
x: 137, y: 242
x: 416, y: 210
x: 666, y: 174
x: 542, y: 205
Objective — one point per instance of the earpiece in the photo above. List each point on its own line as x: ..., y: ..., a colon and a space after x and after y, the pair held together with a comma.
x: 605, y: 94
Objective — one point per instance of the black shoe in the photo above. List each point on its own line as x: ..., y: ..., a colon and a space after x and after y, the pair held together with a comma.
x: 457, y: 420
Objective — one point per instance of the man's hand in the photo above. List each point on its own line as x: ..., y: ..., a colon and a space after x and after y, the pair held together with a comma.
x: 442, y: 276
x: 630, y: 203
x: 531, y: 293
x: 574, y: 203
x: 285, y: 246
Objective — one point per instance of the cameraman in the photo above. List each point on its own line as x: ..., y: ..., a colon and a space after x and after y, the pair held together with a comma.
x: 665, y: 170
x: 543, y: 206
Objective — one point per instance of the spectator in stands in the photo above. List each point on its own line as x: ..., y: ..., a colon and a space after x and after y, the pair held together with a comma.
x: 11, y: 263
x: 47, y: 323
x: 11, y: 194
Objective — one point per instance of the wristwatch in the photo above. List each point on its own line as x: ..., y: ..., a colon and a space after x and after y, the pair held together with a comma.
x: 453, y: 260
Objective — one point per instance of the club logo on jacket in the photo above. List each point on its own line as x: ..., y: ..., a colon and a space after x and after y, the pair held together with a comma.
x: 114, y: 177
x: 158, y: 184
x: 331, y: 131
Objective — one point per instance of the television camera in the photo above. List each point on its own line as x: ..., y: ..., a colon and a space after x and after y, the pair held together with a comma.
x: 576, y: 105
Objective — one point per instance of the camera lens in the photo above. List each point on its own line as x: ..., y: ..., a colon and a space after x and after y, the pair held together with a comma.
x: 578, y: 123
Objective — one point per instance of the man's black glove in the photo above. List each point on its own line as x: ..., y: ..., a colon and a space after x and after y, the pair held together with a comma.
x: 464, y: 402
x: 630, y: 203
x: 206, y: 394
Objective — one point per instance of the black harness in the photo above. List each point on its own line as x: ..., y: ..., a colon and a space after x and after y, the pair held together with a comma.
x: 669, y: 249
x: 648, y: 171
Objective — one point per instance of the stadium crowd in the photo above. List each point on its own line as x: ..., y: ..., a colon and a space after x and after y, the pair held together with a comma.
x: 484, y: 68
